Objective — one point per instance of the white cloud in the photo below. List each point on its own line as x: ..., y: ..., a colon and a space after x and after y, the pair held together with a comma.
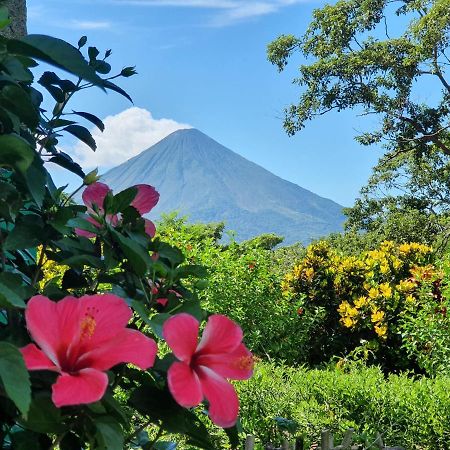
x: 89, y: 24
x: 126, y: 135
x: 230, y: 11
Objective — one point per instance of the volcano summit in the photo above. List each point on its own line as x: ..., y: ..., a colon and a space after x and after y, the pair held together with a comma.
x: 204, y: 180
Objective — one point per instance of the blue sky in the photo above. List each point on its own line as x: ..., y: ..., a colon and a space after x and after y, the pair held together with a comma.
x: 202, y: 63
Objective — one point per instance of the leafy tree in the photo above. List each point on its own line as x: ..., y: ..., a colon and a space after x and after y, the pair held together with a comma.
x: 406, y: 199
x: 360, y: 60
x: 376, y: 56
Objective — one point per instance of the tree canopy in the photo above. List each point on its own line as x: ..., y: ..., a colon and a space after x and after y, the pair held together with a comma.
x: 375, y: 55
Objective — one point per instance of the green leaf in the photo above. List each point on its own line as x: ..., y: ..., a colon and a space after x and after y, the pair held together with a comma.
x: 93, y: 119
x: 115, y: 88
x: 56, y: 92
x: 16, y: 152
x: 191, y: 270
x: 82, y: 223
x: 123, y: 199
x: 15, y: 377
x: 17, y: 100
x: 27, y: 233
x: 155, y: 323
x: 191, y: 307
x: 56, y: 52
x: 36, y: 178
x: 93, y: 53
x: 10, y: 201
x: 82, y: 41
x: 64, y: 160
x: 44, y: 416
x: 173, y: 254
x: 102, y: 67
x: 11, y: 290
x: 26, y: 440
x: 70, y: 442
x: 137, y: 255
x: 83, y: 134
x: 233, y: 435
x: 16, y: 69
x: 109, y: 434
x: 159, y: 405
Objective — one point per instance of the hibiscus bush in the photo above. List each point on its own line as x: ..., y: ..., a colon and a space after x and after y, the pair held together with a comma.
x: 99, y: 329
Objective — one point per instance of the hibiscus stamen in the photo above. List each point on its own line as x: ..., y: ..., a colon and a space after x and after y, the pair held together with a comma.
x: 245, y: 363
x: 88, y: 325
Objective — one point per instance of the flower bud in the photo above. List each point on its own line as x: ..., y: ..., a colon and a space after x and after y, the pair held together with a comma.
x: 91, y: 177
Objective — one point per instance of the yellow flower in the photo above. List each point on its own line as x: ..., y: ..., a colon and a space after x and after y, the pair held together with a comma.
x: 361, y: 302
x: 385, y: 290
x: 406, y: 285
x: 347, y: 322
x: 373, y: 292
x: 409, y: 299
x: 404, y: 248
x: 381, y: 331
x: 344, y: 307
x: 377, y: 316
x: 309, y: 273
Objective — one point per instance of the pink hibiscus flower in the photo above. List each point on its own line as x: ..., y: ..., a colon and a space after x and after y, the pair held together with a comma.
x: 81, y: 338
x: 203, y: 368
x: 94, y: 197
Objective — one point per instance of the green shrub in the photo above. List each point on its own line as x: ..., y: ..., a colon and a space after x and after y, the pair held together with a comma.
x: 244, y: 283
x: 413, y: 413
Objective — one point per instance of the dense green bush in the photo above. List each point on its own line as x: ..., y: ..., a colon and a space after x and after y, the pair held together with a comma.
x: 413, y: 413
x: 425, y: 326
x: 244, y: 283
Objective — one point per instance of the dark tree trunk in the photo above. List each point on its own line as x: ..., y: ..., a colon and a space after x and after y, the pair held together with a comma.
x: 18, y: 15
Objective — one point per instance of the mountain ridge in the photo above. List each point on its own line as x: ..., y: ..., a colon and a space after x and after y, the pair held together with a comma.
x: 208, y: 182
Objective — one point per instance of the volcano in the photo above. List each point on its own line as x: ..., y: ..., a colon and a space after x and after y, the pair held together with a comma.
x: 202, y: 179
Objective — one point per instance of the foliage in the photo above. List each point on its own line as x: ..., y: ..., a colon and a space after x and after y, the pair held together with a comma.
x: 244, y: 284
x: 409, y: 412
x: 43, y: 250
x: 425, y: 326
x: 361, y: 298
x: 405, y: 200
x: 377, y: 57
x: 361, y: 60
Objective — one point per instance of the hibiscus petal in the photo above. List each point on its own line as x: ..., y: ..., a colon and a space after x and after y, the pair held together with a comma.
x: 221, y: 335
x: 95, y: 194
x: 146, y: 198
x: 128, y: 346
x: 237, y: 365
x: 110, y: 315
x: 162, y: 301
x: 43, y: 324
x: 184, y: 385
x: 36, y: 359
x: 85, y: 386
x: 180, y: 332
x: 150, y: 228
x: 223, y: 400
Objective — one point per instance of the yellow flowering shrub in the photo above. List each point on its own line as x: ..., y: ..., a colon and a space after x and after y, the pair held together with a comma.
x: 51, y: 271
x: 363, y: 295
